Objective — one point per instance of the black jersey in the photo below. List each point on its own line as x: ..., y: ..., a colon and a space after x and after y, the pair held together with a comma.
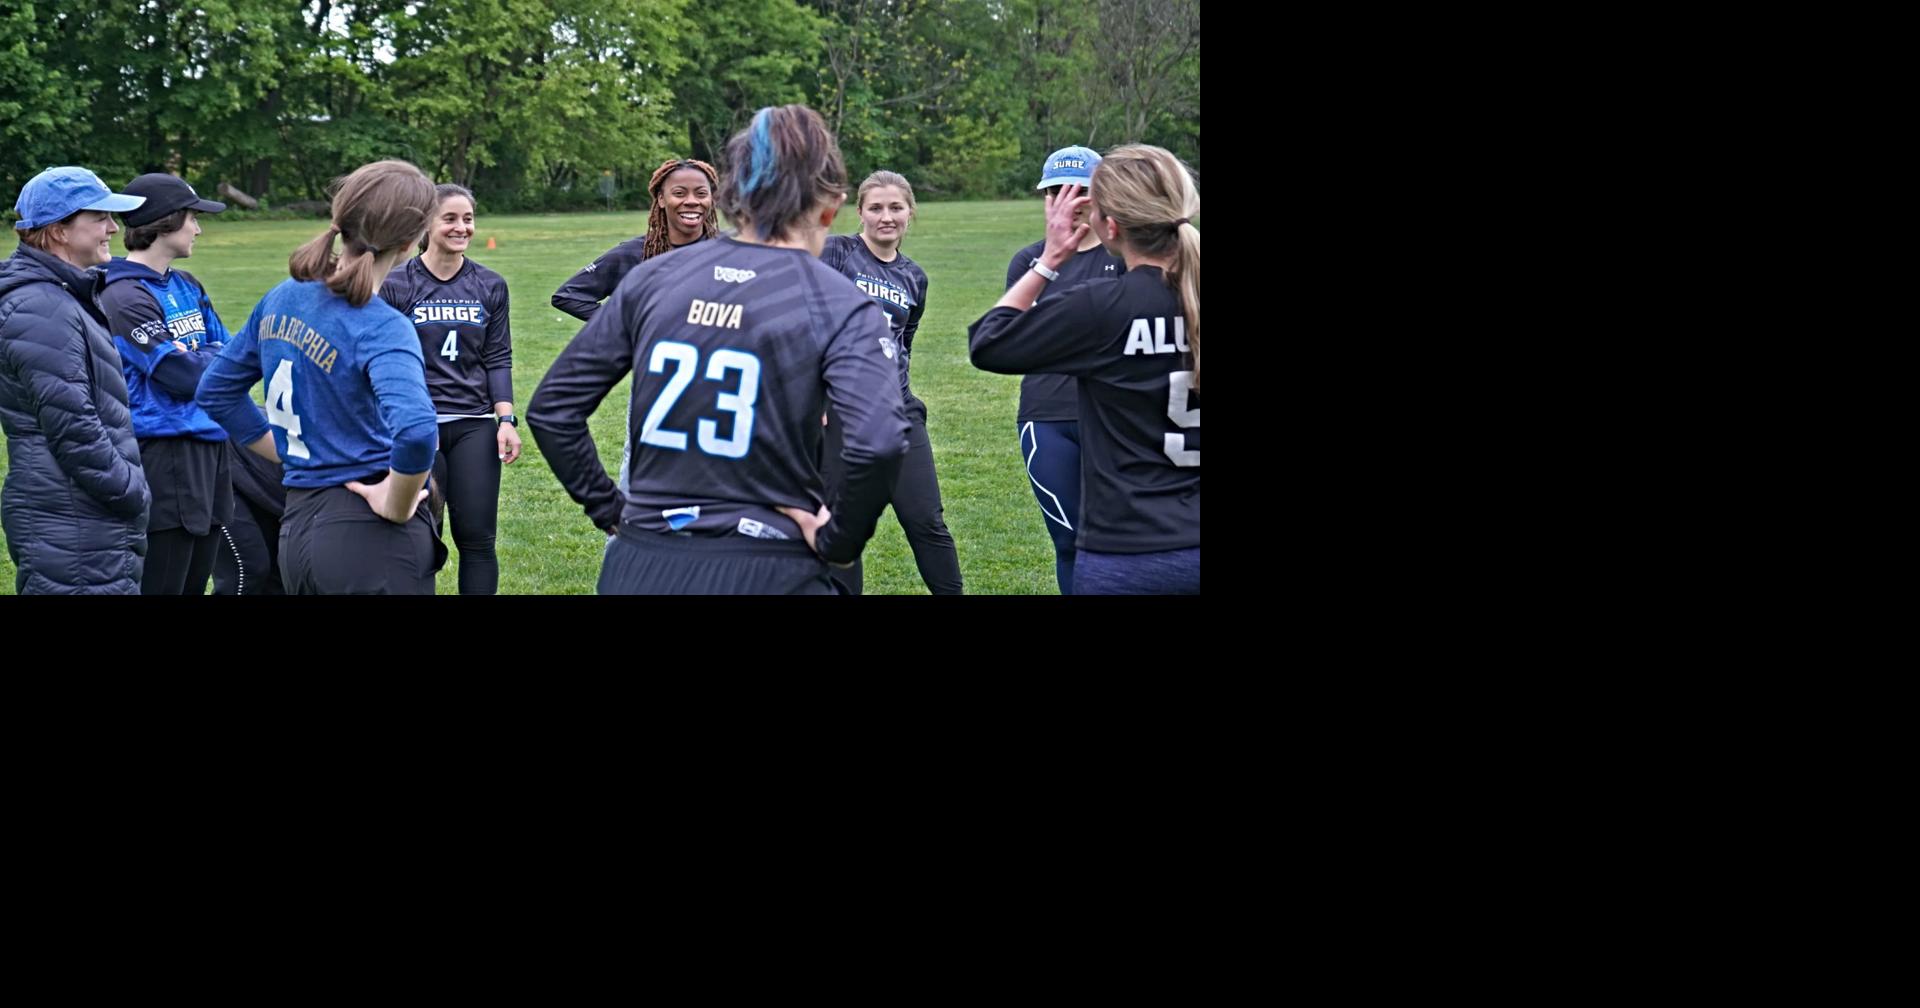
x: 899, y: 286
x: 581, y: 295
x: 735, y: 351
x: 1126, y: 341
x: 464, y: 334
x: 1050, y: 397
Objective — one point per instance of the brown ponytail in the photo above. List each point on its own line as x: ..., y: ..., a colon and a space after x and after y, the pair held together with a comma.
x: 379, y: 207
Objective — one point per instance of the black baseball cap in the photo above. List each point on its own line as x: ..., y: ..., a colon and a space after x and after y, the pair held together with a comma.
x: 165, y: 194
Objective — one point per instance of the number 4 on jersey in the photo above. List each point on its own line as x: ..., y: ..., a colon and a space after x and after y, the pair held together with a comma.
x: 451, y: 348
x: 280, y: 409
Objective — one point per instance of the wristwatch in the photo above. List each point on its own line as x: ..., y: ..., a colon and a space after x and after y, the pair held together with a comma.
x: 508, y: 418
x: 1041, y: 269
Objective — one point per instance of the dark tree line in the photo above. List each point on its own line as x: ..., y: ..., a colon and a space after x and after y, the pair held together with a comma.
x: 532, y: 102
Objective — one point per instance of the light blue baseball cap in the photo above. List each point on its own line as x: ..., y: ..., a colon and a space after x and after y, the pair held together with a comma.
x: 1069, y: 166
x: 59, y: 193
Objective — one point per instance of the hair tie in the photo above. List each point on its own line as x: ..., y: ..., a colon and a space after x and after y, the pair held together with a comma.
x: 1176, y: 224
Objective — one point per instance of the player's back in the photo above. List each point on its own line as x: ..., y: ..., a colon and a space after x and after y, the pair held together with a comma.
x: 734, y: 346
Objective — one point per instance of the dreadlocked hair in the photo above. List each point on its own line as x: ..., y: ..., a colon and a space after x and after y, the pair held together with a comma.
x: 657, y: 242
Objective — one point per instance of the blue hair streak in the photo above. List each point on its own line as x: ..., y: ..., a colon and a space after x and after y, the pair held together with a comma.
x: 760, y: 155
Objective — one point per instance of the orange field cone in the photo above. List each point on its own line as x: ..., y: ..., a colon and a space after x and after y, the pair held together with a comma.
x: 490, y: 244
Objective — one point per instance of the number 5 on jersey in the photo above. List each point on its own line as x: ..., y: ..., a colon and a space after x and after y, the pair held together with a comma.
x: 1183, y: 415
x: 280, y: 409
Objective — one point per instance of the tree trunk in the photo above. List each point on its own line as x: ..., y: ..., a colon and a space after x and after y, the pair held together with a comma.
x: 697, y: 140
x: 232, y: 195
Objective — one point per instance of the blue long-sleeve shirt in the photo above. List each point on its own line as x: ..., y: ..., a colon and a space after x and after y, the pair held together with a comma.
x: 151, y: 315
x: 346, y: 387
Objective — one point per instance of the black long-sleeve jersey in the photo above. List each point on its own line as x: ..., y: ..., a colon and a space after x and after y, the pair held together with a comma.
x: 464, y: 334
x: 1126, y: 341
x: 581, y: 295
x: 735, y: 350
x: 899, y: 287
x: 1049, y: 397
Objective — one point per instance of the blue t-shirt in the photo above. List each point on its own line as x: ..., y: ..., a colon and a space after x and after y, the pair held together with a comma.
x: 346, y: 387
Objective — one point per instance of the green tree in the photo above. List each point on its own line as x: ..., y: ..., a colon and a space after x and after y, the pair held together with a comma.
x: 42, y: 106
x: 520, y: 97
x: 742, y: 56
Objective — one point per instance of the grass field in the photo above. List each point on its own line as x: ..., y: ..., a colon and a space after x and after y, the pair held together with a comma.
x: 547, y: 546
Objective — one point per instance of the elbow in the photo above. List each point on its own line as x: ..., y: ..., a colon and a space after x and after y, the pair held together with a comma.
x: 579, y: 308
x: 876, y: 451
x: 987, y: 358
x: 544, y: 417
x: 212, y: 403
x: 535, y: 411
x: 413, y: 447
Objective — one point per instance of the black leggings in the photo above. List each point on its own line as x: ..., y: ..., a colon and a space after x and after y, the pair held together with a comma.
x: 178, y: 562
x: 247, y: 560
x: 916, y: 505
x: 467, y: 468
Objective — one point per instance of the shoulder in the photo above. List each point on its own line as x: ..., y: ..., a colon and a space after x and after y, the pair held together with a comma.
x: 401, y: 280
x: 125, y: 296
x: 289, y: 289
x: 632, y: 248
x: 48, y: 299
x: 1138, y: 290
x: 26, y: 310
x: 488, y: 280
x: 837, y: 249
x: 827, y: 272
x: 378, y: 321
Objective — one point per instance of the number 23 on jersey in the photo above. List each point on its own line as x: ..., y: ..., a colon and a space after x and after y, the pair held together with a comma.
x: 685, y: 359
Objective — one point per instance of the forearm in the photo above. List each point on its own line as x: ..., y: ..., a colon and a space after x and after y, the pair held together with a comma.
x: 500, y: 384
x: 574, y: 305
x: 403, y: 494
x: 179, y: 373
x: 265, y: 448
x: 1024, y: 292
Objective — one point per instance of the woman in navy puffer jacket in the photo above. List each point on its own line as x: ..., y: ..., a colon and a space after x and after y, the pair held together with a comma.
x: 75, y: 502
